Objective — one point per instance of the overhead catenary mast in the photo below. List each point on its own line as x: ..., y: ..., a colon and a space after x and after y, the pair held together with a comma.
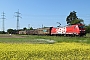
x: 28, y: 26
x: 18, y: 16
x: 3, y: 18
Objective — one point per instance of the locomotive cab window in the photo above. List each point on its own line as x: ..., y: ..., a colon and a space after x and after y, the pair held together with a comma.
x: 81, y: 27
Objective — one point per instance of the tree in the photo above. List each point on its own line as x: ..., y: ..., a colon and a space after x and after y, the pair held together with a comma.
x: 10, y: 31
x: 73, y: 19
x: 31, y: 28
x: 87, y: 28
x: 77, y: 21
x: 24, y: 28
x: 2, y: 32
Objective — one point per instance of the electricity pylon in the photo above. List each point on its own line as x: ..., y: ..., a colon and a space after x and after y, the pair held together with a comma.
x: 18, y: 16
x: 3, y: 18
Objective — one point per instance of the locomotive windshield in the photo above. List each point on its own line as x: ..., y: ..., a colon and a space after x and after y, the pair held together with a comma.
x: 81, y: 27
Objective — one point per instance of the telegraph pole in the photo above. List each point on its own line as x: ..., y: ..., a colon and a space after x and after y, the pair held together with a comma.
x: 3, y: 18
x: 18, y: 16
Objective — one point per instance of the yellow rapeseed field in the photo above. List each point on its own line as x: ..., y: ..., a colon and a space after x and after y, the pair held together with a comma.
x: 57, y: 51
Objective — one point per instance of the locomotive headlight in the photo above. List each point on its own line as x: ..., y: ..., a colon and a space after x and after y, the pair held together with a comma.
x: 83, y: 30
x: 80, y: 30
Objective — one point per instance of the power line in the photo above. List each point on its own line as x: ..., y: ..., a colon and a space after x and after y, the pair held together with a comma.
x: 18, y: 16
x: 3, y: 18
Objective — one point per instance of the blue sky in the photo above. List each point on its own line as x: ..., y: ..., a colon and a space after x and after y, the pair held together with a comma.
x: 46, y: 12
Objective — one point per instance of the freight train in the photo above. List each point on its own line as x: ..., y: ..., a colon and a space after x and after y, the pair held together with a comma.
x: 70, y: 30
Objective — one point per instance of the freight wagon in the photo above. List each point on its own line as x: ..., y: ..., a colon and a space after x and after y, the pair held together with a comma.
x: 44, y: 31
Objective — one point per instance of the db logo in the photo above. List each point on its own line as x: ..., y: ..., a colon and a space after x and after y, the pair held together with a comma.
x: 58, y: 30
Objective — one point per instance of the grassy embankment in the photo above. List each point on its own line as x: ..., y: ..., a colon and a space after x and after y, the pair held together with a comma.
x: 36, y: 39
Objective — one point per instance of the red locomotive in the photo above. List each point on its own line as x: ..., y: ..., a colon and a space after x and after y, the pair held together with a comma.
x: 72, y: 30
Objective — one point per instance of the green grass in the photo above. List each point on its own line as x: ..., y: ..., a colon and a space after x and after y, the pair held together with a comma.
x: 33, y: 39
